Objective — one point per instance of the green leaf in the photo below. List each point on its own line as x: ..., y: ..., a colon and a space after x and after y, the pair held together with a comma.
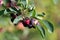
x: 5, y: 12
x: 8, y: 10
x: 27, y: 2
x: 17, y: 19
x: 12, y: 9
x: 34, y: 13
x: 5, y: 2
x: 1, y: 12
x: 38, y: 17
x: 55, y: 1
x: 30, y: 13
x: 19, y: 4
x: 16, y: 0
x: 15, y: 10
x: 41, y: 15
x: 41, y: 30
x: 48, y: 25
x: 24, y: 3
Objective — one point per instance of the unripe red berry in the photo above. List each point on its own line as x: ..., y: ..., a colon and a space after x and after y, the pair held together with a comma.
x: 20, y: 26
x: 27, y: 22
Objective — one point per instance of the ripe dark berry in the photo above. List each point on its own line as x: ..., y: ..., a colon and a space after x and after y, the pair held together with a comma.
x: 31, y: 24
x: 28, y: 22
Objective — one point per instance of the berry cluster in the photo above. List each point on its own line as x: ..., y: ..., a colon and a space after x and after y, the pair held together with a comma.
x: 27, y: 22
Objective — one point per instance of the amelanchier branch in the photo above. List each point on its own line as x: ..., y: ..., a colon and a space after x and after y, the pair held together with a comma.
x: 23, y: 14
